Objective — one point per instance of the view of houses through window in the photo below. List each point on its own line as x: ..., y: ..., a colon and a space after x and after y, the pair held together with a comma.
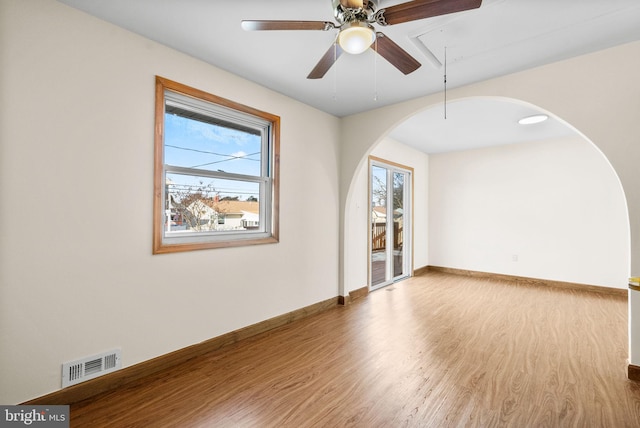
x: 207, y: 206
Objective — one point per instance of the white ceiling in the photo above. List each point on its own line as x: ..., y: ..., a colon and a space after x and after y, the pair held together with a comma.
x: 475, y: 123
x: 501, y: 37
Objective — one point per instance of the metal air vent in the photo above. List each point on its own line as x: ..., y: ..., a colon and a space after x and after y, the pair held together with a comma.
x: 90, y: 367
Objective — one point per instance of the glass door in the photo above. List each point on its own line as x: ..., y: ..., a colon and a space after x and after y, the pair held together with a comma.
x: 379, y: 241
x: 390, y: 258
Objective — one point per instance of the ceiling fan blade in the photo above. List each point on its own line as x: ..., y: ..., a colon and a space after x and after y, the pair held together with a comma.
x: 325, y: 63
x: 353, y: 4
x: 261, y: 25
x: 393, y: 53
x: 421, y: 9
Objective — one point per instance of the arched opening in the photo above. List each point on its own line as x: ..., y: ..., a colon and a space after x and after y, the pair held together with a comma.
x: 502, y: 199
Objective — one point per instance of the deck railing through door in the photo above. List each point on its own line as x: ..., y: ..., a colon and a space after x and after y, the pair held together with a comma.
x: 379, y: 235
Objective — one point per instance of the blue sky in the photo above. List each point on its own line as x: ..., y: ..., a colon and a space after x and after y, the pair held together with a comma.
x: 190, y: 143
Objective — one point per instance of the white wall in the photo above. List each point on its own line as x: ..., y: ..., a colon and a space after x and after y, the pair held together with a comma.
x: 76, y: 165
x: 357, y: 224
x: 556, y: 206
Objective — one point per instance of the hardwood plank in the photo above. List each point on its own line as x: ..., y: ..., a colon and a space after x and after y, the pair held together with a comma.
x: 435, y: 350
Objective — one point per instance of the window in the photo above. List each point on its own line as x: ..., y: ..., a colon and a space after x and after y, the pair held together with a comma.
x: 216, y: 171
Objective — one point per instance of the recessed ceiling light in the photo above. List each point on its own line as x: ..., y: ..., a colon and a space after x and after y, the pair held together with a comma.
x: 530, y: 120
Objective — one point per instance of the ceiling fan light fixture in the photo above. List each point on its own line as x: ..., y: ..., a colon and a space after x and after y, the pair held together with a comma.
x: 530, y: 120
x: 356, y: 37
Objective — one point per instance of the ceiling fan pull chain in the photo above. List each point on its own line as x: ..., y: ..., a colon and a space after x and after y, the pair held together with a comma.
x: 335, y: 71
x: 375, y: 70
x: 445, y: 82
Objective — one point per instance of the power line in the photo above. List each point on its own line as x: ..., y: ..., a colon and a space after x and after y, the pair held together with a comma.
x: 226, y: 160
x: 194, y: 188
x: 216, y: 154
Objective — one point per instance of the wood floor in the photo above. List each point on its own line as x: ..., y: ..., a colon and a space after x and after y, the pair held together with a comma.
x: 437, y: 350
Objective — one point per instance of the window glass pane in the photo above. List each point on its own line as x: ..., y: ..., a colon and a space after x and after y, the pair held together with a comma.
x: 378, y: 225
x: 398, y: 222
x: 191, y: 142
x: 203, y: 204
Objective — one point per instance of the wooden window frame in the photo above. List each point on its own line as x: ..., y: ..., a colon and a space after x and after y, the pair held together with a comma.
x: 162, y: 244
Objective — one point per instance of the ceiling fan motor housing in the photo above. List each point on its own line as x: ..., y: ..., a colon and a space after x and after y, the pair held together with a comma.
x: 359, y: 14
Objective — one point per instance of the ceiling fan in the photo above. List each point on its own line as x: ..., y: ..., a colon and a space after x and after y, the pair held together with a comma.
x: 357, y: 34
